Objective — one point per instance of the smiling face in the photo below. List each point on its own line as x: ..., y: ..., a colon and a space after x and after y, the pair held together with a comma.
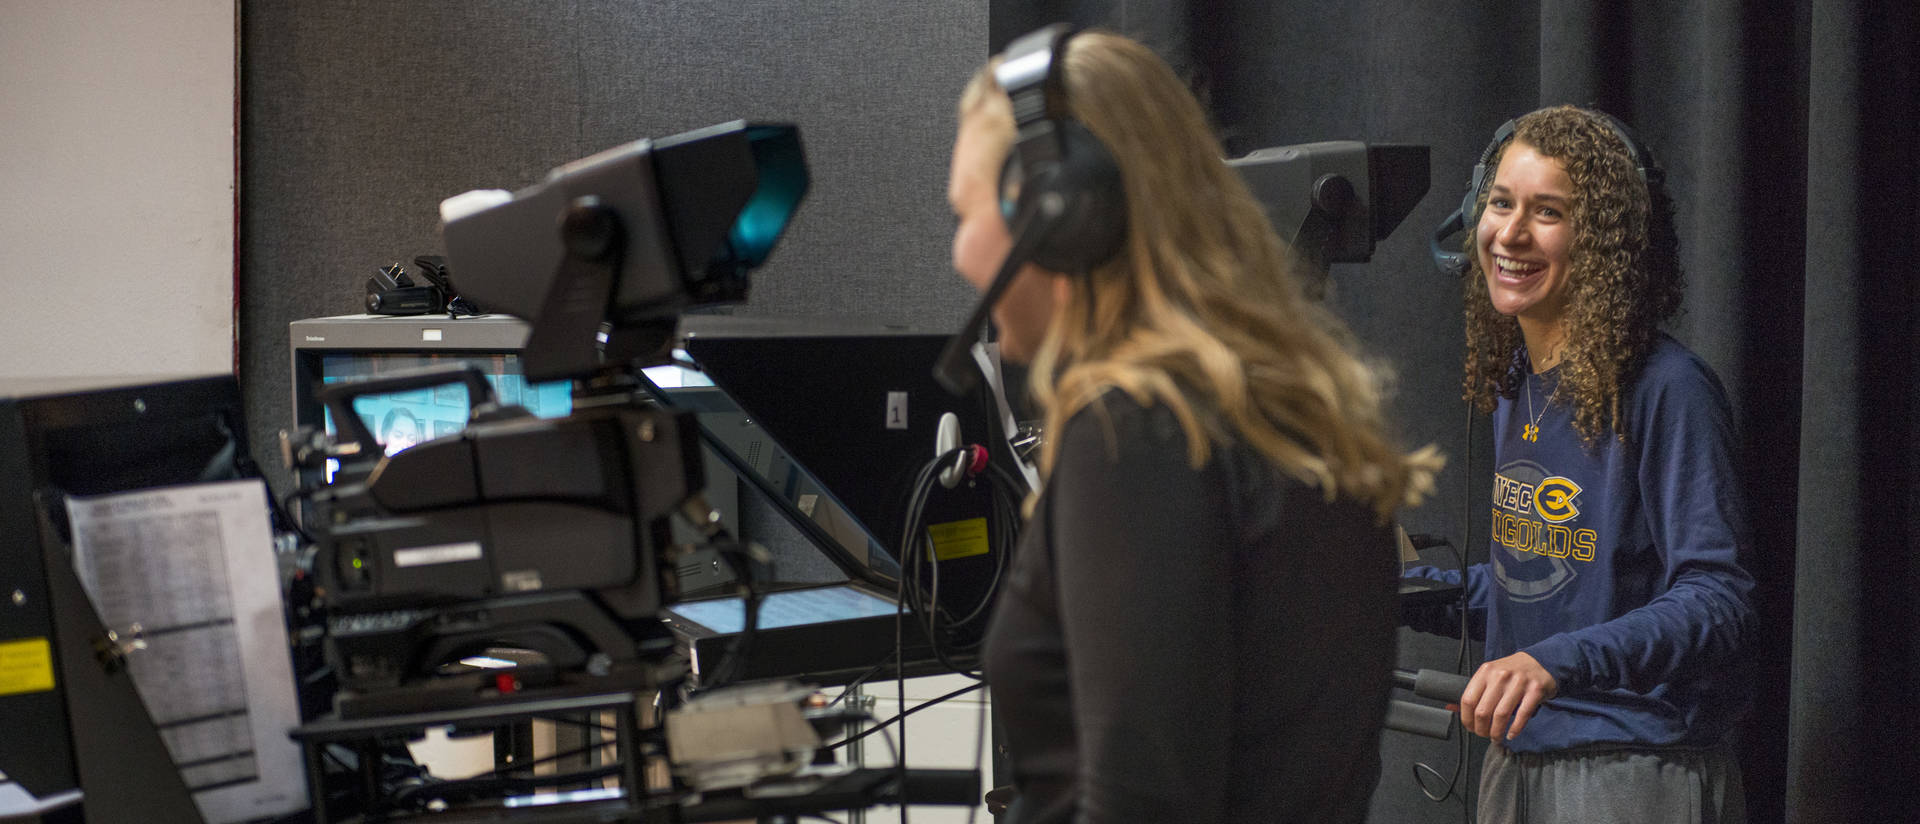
x: 1524, y: 239
x: 981, y: 240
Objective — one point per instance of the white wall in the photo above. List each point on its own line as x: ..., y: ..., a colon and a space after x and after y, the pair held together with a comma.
x: 116, y: 187
x: 949, y: 735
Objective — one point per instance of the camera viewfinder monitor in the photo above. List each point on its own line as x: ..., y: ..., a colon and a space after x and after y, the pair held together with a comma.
x: 357, y: 347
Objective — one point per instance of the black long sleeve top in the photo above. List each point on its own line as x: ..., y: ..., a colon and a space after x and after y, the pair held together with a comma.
x: 1178, y: 645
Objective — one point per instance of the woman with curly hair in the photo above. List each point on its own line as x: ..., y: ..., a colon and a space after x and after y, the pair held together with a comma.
x: 1615, y: 611
x: 1199, y: 622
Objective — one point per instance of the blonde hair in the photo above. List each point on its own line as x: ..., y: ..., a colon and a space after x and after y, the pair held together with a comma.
x: 1201, y: 311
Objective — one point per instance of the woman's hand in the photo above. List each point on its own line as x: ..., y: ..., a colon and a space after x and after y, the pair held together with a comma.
x: 1503, y: 694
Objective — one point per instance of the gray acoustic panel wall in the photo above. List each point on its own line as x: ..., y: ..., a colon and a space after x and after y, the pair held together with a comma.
x: 359, y: 117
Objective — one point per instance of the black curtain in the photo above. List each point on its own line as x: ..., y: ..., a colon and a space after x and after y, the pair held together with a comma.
x: 1789, y: 132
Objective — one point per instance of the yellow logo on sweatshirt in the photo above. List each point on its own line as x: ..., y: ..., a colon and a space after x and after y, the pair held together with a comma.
x: 1553, y: 499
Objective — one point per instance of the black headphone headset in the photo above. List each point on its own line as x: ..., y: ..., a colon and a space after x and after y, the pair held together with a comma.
x: 1453, y: 261
x: 1060, y: 189
x: 1057, y: 172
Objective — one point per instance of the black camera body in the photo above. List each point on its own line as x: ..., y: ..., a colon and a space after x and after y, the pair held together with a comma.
x: 545, y: 538
x: 514, y: 506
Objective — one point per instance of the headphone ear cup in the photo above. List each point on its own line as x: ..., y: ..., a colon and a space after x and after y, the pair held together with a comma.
x: 1092, y: 224
x: 1470, y: 207
x: 1467, y: 218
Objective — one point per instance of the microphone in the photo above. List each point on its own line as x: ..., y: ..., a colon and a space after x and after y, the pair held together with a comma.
x: 1450, y: 261
x: 1031, y: 228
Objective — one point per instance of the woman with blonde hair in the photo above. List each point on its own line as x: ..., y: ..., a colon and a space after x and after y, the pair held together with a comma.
x: 1199, y: 622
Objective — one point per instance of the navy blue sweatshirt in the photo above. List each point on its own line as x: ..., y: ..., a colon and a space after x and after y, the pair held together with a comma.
x: 1618, y: 568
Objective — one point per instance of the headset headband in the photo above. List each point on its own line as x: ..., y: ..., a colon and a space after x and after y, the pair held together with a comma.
x: 1027, y: 73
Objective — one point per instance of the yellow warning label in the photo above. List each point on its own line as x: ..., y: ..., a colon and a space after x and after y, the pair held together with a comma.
x: 25, y: 666
x: 958, y: 539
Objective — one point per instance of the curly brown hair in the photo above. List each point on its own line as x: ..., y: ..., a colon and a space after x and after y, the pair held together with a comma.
x: 1624, y: 277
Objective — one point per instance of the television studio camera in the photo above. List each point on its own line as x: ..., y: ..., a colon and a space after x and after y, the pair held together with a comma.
x: 517, y: 568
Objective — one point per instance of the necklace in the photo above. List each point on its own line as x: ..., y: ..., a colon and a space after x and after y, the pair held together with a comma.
x: 1531, y: 431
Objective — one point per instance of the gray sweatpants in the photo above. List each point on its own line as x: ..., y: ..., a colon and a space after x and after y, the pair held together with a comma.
x: 1612, y: 787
